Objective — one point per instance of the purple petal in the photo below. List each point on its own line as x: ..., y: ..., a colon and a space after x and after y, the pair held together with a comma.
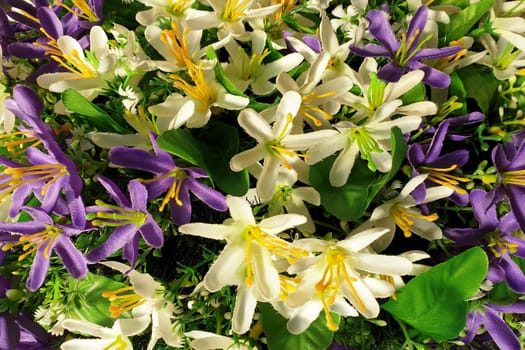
x: 9, y: 331
x: 516, y: 196
x: 381, y: 29
x: 370, y: 50
x: 6, y: 29
x: 427, y: 54
x: 114, y: 191
x: 38, y: 271
x: 25, y: 228
x: 486, y: 216
x: 28, y: 100
x: 433, y: 77
x: 77, y: 211
x: 473, y: 323
x: 467, y: 119
x: 138, y: 195
x: 73, y: 261
x: 496, y: 273
x: 437, y: 142
x: 118, y: 238
x: 139, y: 159
x: 25, y: 50
x: 18, y: 199
x: 459, y: 157
x: 211, y: 197
x: 50, y: 22
x: 181, y: 214
x: 131, y: 251
x: 417, y: 24
x: 498, y: 329
x: 152, y: 233
x: 313, y: 43
x: 513, y: 274
x: 517, y: 308
x: 391, y: 72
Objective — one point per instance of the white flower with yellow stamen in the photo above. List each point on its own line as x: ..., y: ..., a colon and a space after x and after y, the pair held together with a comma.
x: 320, y: 100
x: 176, y: 9
x: 230, y: 15
x: 338, y: 279
x: 145, y: 298
x: 401, y: 211
x: 249, y: 71
x: 106, y: 338
x: 276, y: 146
x: 503, y: 58
x: 248, y: 260
x: 86, y: 73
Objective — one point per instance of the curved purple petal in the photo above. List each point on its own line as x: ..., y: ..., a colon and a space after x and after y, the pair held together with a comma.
x: 38, y: 271
x: 152, y: 233
x: 114, y: 191
x: 427, y: 54
x: 381, y: 29
x: 211, y: 197
x: 73, y: 261
x: 131, y: 251
x: 76, y: 207
x: 499, y: 330
x: 181, y: 214
x: 517, y: 308
x: 370, y: 50
x: 25, y: 228
x: 18, y: 199
x: 516, y: 196
x: 433, y: 77
x: 118, y: 238
x: 437, y: 142
x: 467, y: 119
x: 473, y: 323
x: 50, y: 22
x: 313, y: 42
x: 391, y: 72
x: 496, y: 273
x: 459, y: 157
x: 138, y: 195
x: 25, y: 50
x: 417, y: 24
x: 9, y: 331
x: 513, y: 274
x: 28, y: 100
x: 139, y: 159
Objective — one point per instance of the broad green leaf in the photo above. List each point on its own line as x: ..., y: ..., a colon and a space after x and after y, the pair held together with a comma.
x: 90, y: 113
x: 350, y: 201
x: 480, y: 84
x: 416, y: 94
x: 181, y: 143
x: 316, y: 337
x: 86, y: 299
x: 434, y: 303
x: 462, y: 22
x: 458, y: 89
x: 221, y: 142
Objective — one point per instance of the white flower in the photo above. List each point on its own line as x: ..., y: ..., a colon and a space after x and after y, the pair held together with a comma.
x: 131, y: 97
x: 87, y: 74
x: 176, y: 9
x: 247, y: 261
x: 207, y: 341
x: 106, y: 338
x: 370, y: 139
x: 275, y: 144
x: 145, y: 299
x: 249, y: 71
x: 341, y: 273
x: 503, y: 58
x: 401, y: 212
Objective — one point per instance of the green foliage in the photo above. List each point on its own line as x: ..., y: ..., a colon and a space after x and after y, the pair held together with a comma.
x: 462, y: 22
x: 350, y: 201
x: 479, y: 84
x: 212, y: 151
x: 316, y: 337
x: 434, y: 303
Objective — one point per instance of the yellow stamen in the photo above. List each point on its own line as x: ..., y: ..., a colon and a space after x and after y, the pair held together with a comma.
x: 51, y: 47
x: 280, y: 152
x: 141, y: 121
x: 234, y: 10
x: 13, y: 178
x: 514, y: 177
x: 328, y: 288
x: 176, y: 44
x: 178, y: 7
x: 86, y: 12
x: 74, y: 63
x: 178, y: 175
x: 499, y: 246
x: 123, y: 300
x: 31, y: 243
x: 203, y: 92
x: 440, y: 176
x: 274, y: 244
x: 17, y: 145
x: 117, y: 344
x: 404, y: 218
x: 308, y: 108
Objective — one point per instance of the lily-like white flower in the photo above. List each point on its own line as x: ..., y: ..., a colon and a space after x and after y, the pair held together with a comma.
x: 503, y: 58
x: 248, y: 260
x: 230, y: 15
x: 175, y: 9
x: 370, y: 139
x: 341, y: 272
x: 86, y: 73
x: 106, y: 338
x: 144, y: 298
x: 249, y: 71
x: 401, y: 212
x: 350, y: 21
x: 275, y: 144
x: 208, y: 341
x: 320, y: 100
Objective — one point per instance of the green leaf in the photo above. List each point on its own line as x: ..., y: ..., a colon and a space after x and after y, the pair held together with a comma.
x: 316, y: 337
x: 181, y: 143
x: 457, y: 3
x: 90, y: 113
x: 221, y: 143
x: 350, y: 201
x: 86, y: 299
x: 458, y: 89
x: 220, y: 75
x: 416, y: 94
x: 434, y: 303
x: 461, y: 22
x: 500, y: 294
x: 480, y: 84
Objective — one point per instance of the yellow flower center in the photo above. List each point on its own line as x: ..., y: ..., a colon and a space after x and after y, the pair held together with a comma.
x: 204, y: 93
x: 17, y: 142
x: 176, y: 44
x: 31, y: 243
x: 178, y: 7
x: 404, y: 218
x: 75, y: 64
x: 84, y: 10
x: 123, y: 300
x: 117, y: 344
x: 498, y: 246
x: 278, y: 150
x: 274, y: 244
x: 403, y: 54
x: 514, y: 177
x: 117, y: 216
x: 334, y: 274
x: 288, y: 286
x: 13, y: 178
x: 442, y: 177
x: 178, y: 175
x: 234, y: 10
x: 309, y: 107
x: 252, y: 67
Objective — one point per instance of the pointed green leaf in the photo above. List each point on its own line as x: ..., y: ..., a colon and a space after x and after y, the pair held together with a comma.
x: 462, y: 22
x: 181, y: 143
x: 480, y: 84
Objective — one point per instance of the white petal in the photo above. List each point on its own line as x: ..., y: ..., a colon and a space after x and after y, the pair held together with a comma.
x: 280, y: 223
x: 211, y: 231
x: 94, y: 344
x: 426, y: 229
x: 304, y: 317
x: 437, y: 192
x: 265, y: 274
x: 246, y: 158
x: 412, y: 184
x: 255, y: 125
x: 361, y: 298
x: 225, y: 270
x: 290, y: 104
x: 206, y: 340
x: 383, y: 264
x: 324, y: 149
x: 132, y: 326
x: 98, y: 42
x: 245, y: 304
x: 267, y: 180
x: 407, y: 82
x: 379, y: 288
x: 86, y: 327
x: 342, y: 167
x: 240, y: 210
x: 307, y: 140
x: 419, y: 108
x: 360, y: 240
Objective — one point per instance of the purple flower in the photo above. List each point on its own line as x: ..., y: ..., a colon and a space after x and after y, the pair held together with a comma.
x: 175, y: 181
x: 131, y: 219
x: 509, y: 160
x: 495, y: 235
x: 42, y: 236
x: 496, y: 327
x: 405, y: 54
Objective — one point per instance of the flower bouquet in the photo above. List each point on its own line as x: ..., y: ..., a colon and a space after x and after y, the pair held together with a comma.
x: 262, y: 174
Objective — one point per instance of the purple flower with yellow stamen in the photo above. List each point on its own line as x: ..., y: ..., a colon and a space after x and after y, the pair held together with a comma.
x: 42, y: 236
x: 495, y: 236
x: 130, y: 219
x: 175, y: 181
x: 405, y: 54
